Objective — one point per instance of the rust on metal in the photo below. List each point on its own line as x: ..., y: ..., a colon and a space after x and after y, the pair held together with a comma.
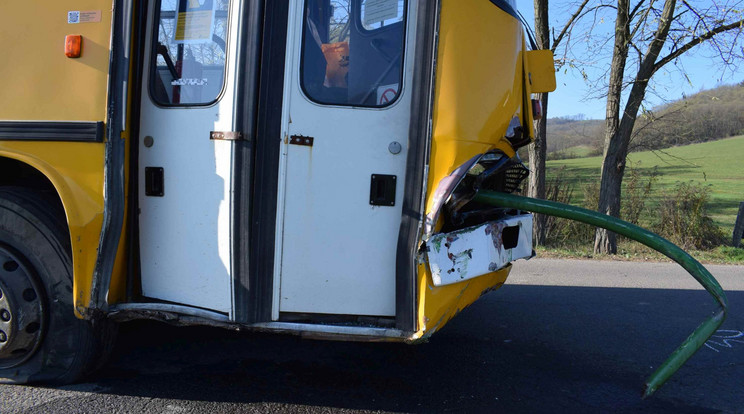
x: 301, y: 140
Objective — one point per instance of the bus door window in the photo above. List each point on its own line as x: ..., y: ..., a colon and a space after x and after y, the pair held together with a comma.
x: 189, y: 52
x: 352, y: 51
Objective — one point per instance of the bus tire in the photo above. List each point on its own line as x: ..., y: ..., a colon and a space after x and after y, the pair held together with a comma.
x: 41, y: 340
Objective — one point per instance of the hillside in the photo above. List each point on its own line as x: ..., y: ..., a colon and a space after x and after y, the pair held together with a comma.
x: 707, y: 115
x: 568, y: 133
x: 717, y: 164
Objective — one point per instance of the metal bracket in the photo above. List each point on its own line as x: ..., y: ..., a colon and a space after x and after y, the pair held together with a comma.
x: 301, y: 140
x: 226, y: 135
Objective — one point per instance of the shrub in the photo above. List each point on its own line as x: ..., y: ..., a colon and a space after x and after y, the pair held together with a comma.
x: 683, y: 218
x: 558, y: 231
x: 637, y: 191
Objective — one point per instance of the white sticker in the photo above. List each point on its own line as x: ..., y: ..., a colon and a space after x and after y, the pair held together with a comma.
x: 73, y: 17
x: 387, y: 94
x: 189, y: 82
x: 89, y: 16
x: 377, y: 11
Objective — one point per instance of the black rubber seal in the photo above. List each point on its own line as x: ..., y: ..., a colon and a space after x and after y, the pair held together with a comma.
x: 508, y: 6
x: 419, y: 138
x: 267, y: 150
x: 246, y: 109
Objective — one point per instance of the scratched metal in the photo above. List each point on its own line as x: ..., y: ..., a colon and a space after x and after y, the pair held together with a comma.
x: 476, y: 251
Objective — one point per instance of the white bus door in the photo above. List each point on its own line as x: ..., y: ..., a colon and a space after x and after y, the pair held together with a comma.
x: 184, y: 176
x: 344, y: 156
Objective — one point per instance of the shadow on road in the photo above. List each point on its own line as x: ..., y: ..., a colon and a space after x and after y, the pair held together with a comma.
x: 526, y: 348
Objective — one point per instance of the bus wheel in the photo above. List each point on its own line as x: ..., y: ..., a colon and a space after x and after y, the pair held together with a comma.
x: 41, y: 340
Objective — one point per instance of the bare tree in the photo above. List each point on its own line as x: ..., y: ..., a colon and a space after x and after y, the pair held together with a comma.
x: 651, y: 35
x: 537, y: 152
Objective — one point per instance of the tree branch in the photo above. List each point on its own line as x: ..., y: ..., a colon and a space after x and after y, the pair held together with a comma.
x: 696, y: 41
x: 568, y: 25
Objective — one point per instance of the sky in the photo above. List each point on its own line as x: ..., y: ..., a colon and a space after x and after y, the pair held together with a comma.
x: 572, y: 96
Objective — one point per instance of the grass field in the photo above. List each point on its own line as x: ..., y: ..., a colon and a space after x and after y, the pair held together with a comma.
x: 717, y: 164
x: 574, y: 152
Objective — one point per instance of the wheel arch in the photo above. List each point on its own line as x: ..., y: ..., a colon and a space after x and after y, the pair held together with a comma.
x: 82, y: 206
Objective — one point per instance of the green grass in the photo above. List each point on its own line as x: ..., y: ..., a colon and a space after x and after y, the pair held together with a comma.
x: 717, y: 164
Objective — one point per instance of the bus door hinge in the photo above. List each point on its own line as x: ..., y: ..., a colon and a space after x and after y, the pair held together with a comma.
x: 226, y: 135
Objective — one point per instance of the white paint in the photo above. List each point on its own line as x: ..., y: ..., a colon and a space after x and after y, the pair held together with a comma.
x: 475, y: 251
x: 724, y: 339
x: 185, y: 235
x: 337, y: 252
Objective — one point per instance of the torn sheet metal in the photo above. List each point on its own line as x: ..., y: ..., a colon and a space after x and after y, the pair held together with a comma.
x: 478, y: 250
x: 445, y: 188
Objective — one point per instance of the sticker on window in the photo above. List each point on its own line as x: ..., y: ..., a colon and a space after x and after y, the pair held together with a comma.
x: 195, y: 24
x: 189, y: 82
x: 378, y: 11
x: 387, y: 94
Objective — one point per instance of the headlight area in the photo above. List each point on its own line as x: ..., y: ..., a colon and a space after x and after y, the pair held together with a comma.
x: 464, y: 238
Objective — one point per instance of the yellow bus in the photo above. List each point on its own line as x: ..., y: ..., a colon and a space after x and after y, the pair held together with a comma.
x: 301, y: 166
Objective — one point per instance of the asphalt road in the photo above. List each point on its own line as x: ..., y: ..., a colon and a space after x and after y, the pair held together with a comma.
x: 561, y: 336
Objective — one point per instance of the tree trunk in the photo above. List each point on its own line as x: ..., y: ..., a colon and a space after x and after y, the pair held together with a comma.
x: 617, y: 135
x: 609, y: 190
x: 538, y: 150
x: 537, y: 154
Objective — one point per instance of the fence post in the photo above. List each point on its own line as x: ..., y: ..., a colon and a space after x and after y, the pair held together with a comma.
x: 739, y: 226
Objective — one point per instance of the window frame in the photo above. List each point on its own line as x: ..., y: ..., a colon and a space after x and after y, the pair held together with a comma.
x: 152, y: 70
x: 358, y: 23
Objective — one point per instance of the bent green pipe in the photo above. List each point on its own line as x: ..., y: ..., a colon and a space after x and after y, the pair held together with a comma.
x: 698, y: 337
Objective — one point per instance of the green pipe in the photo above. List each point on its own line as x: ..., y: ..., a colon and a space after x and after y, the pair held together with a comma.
x: 697, y: 339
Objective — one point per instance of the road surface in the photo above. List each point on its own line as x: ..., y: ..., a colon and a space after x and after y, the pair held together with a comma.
x: 561, y: 336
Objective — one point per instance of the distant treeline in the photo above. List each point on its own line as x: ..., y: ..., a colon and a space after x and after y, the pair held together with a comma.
x: 705, y: 116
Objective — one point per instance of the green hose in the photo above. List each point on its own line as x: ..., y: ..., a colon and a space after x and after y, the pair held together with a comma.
x: 697, y: 339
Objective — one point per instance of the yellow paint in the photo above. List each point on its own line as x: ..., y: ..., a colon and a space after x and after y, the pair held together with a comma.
x: 76, y: 171
x: 541, y: 68
x: 438, y: 305
x: 38, y: 82
x: 479, y: 89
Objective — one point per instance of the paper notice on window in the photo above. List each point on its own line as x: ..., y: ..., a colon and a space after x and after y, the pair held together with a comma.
x: 196, y: 23
x: 377, y: 11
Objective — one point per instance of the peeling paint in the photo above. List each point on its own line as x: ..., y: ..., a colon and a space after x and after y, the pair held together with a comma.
x: 494, y: 229
x: 478, y: 250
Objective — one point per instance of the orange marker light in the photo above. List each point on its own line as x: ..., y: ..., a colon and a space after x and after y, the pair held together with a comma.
x: 73, y: 46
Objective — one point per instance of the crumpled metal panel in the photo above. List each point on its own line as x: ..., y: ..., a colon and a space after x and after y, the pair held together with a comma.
x: 478, y: 250
x: 445, y: 188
